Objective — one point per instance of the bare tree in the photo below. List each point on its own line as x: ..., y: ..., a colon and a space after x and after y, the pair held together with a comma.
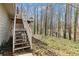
x: 65, y: 25
x: 69, y: 20
x: 59, y: 24
x: 41, y: 21
x: 46, y: 21
x: 34, y: 20
x: 51, y: 16
x: 37, y: 20
x: 75, y: 21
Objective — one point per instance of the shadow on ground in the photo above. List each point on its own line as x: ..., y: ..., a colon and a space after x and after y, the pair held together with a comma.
x: 45, y: 49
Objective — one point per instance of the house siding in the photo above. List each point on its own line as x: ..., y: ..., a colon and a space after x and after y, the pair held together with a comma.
x: 4, y: 25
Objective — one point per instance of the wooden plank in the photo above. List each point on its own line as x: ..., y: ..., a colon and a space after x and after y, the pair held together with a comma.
x: 20, y: 30
x: 21, y: 48
x: 20, y: 43
x: 16, y: 18
x: 14, y: 29
x: 18, y: 39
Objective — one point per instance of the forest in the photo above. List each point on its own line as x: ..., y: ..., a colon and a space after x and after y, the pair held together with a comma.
x: 56, y: 28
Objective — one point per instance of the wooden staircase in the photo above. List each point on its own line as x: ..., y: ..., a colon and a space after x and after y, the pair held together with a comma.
x: 22, y: 35
x: 21, y: 39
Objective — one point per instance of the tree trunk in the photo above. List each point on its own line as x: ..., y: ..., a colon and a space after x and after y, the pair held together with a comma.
x: 37, y: 20
x: 41, y: 22
x: 65, y: 23
x: 75, y: 23
x: 51, y: 16
x: 59, y: 24
x: 69, y: 18
x: 46, y: 21
x: 34, y: 20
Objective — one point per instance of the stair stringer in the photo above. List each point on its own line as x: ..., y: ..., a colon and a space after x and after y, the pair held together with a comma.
x: 27, y: 28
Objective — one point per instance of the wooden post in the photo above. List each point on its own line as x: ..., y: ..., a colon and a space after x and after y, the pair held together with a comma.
x: 14, y: 28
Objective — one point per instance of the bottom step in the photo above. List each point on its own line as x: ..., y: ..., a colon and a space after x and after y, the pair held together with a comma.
x: 22, y: 48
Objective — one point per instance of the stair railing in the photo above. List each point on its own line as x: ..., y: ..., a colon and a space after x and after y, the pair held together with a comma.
x: 26, y: 25
x: 14, y: 27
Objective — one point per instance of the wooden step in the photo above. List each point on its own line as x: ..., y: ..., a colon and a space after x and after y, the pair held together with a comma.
x: 19, y: 34
x: 19, y: 30
x: 22, y: 47
x: 18, y: 39
x: 20, y: 43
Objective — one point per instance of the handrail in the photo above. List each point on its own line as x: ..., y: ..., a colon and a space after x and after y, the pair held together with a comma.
x: 29, y: 32
x: 14, y: 29
x: 26, y: 17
